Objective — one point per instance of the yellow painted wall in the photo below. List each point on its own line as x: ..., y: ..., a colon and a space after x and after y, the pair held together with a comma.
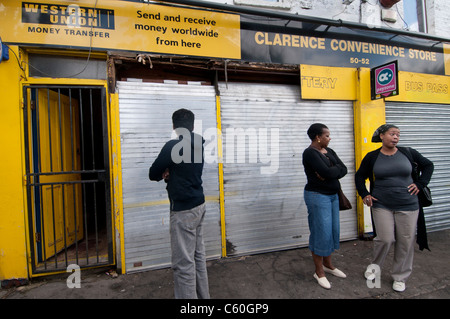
x: 13, y: 257
x: 368, y: 116
x: 117, y: 183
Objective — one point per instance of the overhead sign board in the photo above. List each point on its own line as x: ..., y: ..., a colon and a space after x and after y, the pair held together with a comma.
x: 328, y: 83
x: 290, y: 42
x: 423, y: 88
x: 384, y: 80
x: 121, y: 25
x: 158, y: 27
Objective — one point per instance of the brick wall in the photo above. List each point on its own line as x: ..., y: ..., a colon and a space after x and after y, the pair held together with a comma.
x: 367, y: 12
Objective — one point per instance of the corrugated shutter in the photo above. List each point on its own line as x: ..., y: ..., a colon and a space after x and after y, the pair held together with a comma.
x: 424, y: 127
x: 145, y: 126
x: 266, y: 212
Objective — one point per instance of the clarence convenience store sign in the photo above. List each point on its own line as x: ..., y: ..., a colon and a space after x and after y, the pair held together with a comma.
x: 168, y: 29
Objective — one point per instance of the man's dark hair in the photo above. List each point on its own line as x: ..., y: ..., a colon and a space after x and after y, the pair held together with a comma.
x: 183, y: 118
x: 316, y: 129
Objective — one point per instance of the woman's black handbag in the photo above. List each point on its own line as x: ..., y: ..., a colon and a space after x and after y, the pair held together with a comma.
x: 425, y: 197
x: 344, y: 203
x: 425, y: 193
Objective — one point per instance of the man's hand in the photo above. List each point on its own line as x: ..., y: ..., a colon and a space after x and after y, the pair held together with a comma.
x: 165, y: 175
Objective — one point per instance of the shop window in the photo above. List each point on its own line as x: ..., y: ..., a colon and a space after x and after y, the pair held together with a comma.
x: 66, y: 67
x: 278, y: 4
x: 414, y: 15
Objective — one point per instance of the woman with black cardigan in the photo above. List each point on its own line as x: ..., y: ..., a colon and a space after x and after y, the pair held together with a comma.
x: 393, y: 200
x: 323, y: 169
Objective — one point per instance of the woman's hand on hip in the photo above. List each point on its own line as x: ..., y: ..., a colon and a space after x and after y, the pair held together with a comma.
x: 368, y: 200
x: 413, y: 189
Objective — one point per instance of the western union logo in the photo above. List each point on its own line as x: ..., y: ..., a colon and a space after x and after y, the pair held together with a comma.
x: 69, y: 15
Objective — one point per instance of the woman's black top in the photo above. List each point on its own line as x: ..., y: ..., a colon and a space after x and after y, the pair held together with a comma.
x: 323, y: 171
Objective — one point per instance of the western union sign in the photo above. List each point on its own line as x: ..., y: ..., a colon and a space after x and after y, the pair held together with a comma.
x: 121, y: 25
x: 67, y: 15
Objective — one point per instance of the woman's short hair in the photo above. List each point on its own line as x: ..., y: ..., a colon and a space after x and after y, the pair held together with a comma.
x: 316, y: 129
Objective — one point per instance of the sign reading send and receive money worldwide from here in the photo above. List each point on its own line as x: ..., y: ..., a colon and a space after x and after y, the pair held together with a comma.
x: 121, y: 25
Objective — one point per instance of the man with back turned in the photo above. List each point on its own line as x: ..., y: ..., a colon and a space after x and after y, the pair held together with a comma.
x: 180, y: 164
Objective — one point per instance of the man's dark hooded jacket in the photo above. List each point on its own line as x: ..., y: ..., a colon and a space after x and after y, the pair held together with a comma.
x: 184, y: 185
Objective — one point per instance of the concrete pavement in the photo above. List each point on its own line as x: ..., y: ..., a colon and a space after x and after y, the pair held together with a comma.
x: 279, y: 275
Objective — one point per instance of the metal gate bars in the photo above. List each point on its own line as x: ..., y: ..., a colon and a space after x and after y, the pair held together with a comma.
x: 67, y: 177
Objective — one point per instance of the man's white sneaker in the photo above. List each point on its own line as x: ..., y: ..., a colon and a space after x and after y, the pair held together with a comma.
x: 399, y: 286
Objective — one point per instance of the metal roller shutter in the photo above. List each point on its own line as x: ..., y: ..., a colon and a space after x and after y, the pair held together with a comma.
x: 145, y: 126
x: 424, y: 127
x: 266, y: 212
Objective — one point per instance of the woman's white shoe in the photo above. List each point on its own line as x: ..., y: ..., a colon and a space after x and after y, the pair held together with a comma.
x: 323, y: 281
x: 336, y: 272
x: 399, y: 286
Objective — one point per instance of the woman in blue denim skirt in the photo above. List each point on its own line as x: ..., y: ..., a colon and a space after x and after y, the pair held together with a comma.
x: 323, y: 169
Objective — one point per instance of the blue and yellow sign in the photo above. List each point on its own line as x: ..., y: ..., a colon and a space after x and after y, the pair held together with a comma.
x: 121, y: 25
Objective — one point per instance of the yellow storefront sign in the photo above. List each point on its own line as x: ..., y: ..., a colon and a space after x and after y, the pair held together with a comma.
x: 422, y: 88
x: 447, y: 58
x: 327, y: 83
x: 121, y: 25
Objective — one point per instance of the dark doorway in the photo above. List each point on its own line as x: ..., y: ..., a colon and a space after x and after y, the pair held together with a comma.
x: 68, y: 177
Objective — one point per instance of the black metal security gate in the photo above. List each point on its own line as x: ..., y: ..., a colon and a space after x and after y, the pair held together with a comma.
x: 67, y: 177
